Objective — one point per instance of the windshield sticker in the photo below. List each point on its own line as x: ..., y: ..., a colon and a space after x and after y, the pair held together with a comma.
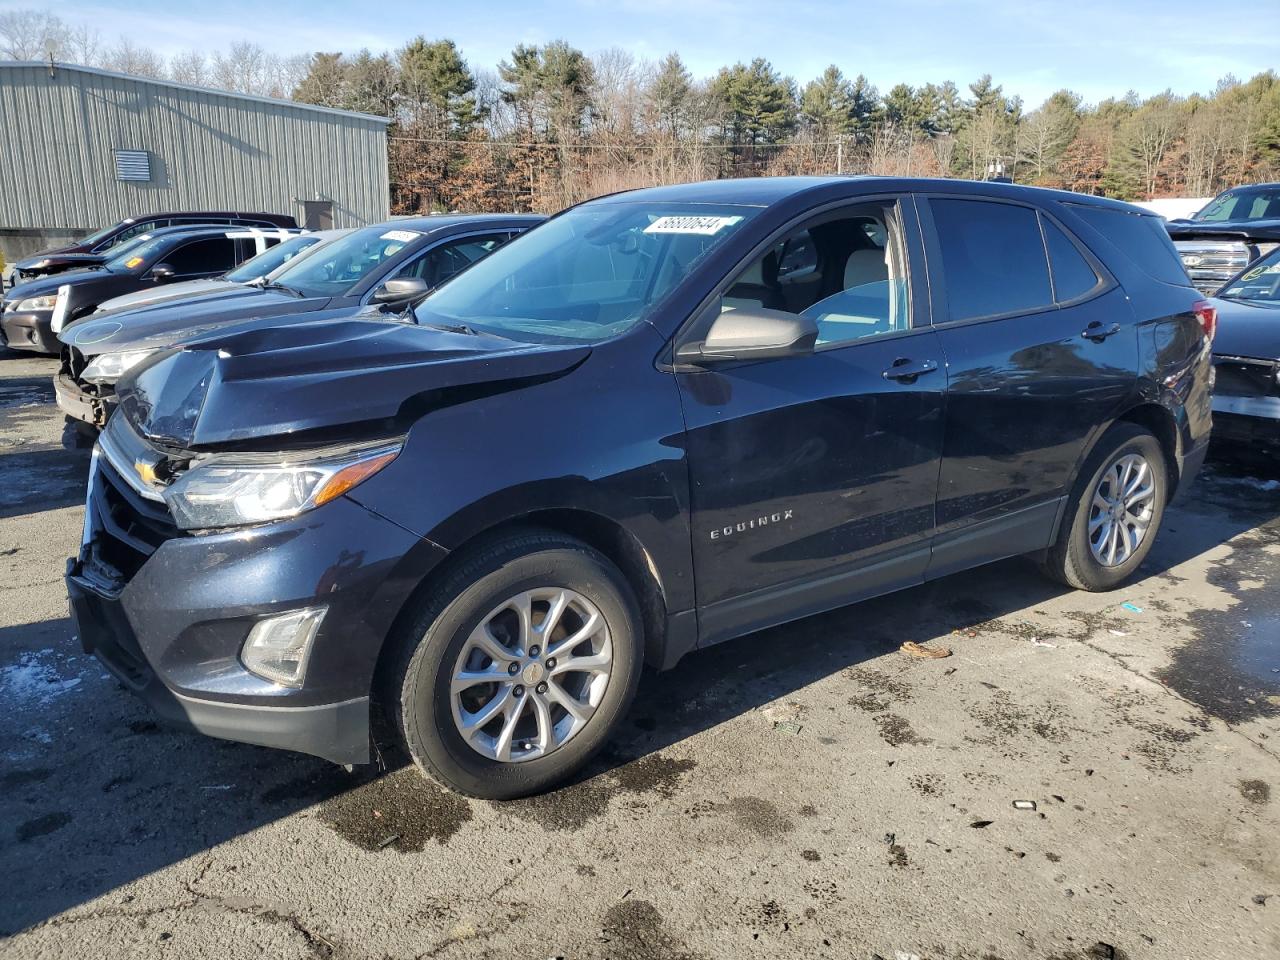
x: 132, y: 262
x: 404, y: 236
x: 702, y: 226
x: 1256, y: 272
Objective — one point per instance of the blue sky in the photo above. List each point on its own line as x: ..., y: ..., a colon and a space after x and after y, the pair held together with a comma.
x: 1098, y: 48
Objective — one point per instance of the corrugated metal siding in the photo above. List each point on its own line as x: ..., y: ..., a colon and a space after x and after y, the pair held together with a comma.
x: 208, y: 151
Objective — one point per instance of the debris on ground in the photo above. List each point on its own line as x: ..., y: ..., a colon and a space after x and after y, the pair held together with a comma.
x: 981, y: 824
x: 1131, y: 607
x: 1036, y: 641
x: 921, y: 652
x: 789, y: 727
x: 1024, y: 804
x: 781, y: 711
x: 965, y: 632
x: 1117, y: 633
x: 1261, y: 899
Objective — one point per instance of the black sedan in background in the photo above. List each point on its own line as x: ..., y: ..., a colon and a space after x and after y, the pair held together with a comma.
x: 1246, y: 356
x: 367, y: 272
x: 35, y: 312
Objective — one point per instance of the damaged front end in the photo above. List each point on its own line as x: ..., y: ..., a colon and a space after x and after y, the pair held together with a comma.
x: 209, y: 579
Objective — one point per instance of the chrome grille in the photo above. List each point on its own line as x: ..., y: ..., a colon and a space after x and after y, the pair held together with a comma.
x: 1211, y: 264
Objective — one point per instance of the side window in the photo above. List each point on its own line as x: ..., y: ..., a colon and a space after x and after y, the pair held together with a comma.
x: 1072, y: 275
x: 442, y: 263
x: 846, y: 270
x: 210, y: 255
x: 137, y: 229
x: 1143, y: 238
x: 993, y: 258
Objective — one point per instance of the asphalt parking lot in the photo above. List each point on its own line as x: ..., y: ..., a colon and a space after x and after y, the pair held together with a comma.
x: 806, y: 792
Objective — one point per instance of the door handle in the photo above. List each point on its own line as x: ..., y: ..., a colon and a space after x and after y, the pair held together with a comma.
x: 1097, y: 334
x: 905, y: 370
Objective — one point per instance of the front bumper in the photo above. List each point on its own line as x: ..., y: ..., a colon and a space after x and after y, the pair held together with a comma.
x: 32, y: 330
x: 167, y: 613
x: 76, y: 403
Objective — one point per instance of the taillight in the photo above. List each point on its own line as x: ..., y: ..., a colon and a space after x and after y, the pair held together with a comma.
x: 1207, y: 314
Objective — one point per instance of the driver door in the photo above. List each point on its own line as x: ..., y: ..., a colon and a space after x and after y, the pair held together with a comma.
x: 814, y: 477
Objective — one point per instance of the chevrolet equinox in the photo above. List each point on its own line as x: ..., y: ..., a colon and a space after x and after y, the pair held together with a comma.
x: 659, y: 421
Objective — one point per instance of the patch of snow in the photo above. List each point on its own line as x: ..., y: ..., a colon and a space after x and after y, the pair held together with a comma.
x: 34, y: 679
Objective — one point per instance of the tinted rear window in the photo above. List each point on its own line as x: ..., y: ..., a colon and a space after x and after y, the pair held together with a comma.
x: 1072, y: 275
x: 1143, y: 239
x: 992, y: 257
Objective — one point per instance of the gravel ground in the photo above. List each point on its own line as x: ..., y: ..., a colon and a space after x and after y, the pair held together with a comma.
x: 808, y: 791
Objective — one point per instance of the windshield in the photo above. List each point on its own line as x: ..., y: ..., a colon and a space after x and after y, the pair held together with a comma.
x: 97, y: 237
x: 341, y: 264
x: 271, y: 259
x: 586, y: 275
x: 133, y: 256
x: 1260, y: 283
x: 1261, y: 204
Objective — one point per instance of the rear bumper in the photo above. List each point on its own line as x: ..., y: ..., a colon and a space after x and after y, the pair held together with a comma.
x: 1263, y: 408
x: 1261, y: 433
x: 30, y: 331
x: 75, y: 403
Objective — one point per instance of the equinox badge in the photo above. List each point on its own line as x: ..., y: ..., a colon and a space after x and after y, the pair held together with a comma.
x: 745, y: 525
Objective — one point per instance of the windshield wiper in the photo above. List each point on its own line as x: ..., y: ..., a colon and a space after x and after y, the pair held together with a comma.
x: 262, y: 283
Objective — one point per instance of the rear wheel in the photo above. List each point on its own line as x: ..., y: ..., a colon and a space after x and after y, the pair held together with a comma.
x: 1115, y: 510
x: 518, y: 668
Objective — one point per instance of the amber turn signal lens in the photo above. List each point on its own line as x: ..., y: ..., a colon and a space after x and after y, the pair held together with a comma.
x: 352, y: 476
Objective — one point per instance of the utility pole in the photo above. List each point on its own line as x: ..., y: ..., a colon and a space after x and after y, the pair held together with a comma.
x: 839, y: 154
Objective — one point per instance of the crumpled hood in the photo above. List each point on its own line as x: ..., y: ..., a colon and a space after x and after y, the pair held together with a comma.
x: 56, y: 259
x: 163, y: 324
x: 1246, y: 330
x: 277, y: 381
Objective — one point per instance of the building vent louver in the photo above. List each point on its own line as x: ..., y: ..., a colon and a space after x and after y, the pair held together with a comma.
x: 133, y: 165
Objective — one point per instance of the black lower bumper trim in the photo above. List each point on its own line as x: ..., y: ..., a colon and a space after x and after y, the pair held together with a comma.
x: 333, y: 731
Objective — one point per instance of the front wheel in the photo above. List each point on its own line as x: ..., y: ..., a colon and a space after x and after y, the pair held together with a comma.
x: 519, y: 667
x: 1114, y: 512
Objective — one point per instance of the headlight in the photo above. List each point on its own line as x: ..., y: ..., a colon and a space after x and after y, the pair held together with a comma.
x: 109, y: 367
x: 228, y: 490
x: 38, y: 303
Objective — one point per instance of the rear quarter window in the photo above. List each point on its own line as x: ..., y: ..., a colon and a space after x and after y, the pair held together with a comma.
x: 1143, y: 239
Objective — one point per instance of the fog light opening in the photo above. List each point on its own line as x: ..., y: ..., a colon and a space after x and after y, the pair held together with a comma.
x: 278, y: 647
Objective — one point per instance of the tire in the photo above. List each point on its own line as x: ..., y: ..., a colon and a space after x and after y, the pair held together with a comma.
x: 441, y: 639
x: 1072, y: 560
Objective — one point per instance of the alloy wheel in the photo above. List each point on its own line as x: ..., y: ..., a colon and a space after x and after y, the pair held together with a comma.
x: 530, y: 676
x: 1121, y: 511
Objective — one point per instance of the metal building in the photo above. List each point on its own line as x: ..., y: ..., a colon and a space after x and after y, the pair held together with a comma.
x: 83, y: 148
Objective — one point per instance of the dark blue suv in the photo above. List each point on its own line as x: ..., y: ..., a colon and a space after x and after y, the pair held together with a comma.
x: 661, y: 420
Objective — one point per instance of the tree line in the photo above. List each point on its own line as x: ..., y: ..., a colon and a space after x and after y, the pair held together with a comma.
x: 552, y: 125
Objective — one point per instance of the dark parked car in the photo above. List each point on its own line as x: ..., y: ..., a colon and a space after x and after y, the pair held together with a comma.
x: 252, y: 270
x: 1246, y: 357
x: 1238, y: 227
x: 661, y: 420
x: 34, y: 312
x: 370, y: 269
x: 98, y: 247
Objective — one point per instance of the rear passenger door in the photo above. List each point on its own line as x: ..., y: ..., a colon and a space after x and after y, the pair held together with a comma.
x: 1041, y: 350
x: 814, y: 476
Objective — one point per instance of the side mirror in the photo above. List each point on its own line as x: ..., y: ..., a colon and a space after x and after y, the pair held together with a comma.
x: 401, y: 290
x: 753, y: 333
x: 162, y: 273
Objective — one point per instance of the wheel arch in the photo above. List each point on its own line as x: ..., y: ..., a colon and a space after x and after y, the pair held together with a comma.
x: 604, y: 534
